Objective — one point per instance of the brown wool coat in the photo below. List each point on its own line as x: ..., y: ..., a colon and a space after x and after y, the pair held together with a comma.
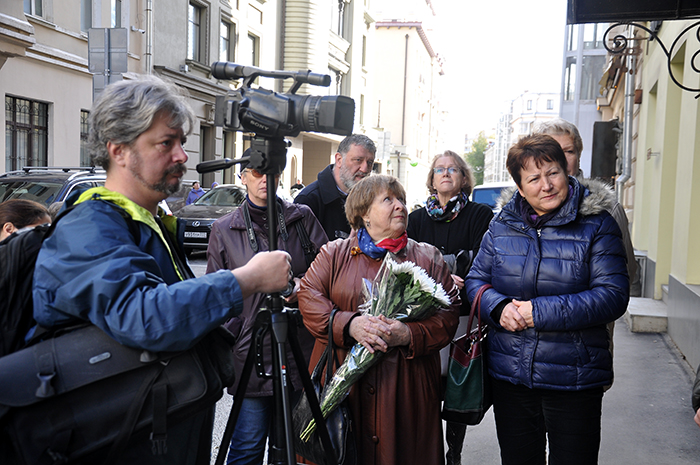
x: 396, y: 404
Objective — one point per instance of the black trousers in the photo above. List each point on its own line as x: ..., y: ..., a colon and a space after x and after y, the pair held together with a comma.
x: 526, y: 419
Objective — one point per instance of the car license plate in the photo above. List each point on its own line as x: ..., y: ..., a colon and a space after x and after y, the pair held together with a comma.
x: 200, y: 235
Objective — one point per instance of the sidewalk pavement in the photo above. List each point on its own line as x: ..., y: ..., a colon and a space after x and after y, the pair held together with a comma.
x: 647, y: 414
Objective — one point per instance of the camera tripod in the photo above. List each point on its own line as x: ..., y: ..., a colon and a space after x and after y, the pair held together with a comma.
x: 268, y: 155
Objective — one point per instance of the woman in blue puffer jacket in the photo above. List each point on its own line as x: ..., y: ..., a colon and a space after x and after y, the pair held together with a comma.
x: 557, y: 264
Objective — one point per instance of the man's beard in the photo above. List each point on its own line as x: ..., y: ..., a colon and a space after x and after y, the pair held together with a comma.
x: 161, y: 186
x: 348, y: 180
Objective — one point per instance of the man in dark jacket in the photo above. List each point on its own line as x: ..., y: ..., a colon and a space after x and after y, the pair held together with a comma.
x: 326, y: 196
x: 133, y: 285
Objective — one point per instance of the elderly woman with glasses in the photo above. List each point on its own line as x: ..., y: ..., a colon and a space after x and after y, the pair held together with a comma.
x: 455, y: 226
x: 235, y: 238
x: 556, y: 261
x: 396, y: 403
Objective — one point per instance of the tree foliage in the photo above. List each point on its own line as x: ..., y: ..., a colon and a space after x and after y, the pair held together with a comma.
x: 475, y: 157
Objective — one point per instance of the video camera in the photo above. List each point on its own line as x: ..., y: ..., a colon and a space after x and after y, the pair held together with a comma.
x: 275, y: 115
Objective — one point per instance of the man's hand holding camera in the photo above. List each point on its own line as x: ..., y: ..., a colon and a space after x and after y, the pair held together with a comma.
x: 266, y: 272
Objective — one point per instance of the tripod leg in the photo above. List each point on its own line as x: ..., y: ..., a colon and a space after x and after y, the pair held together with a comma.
x: 240, y: 394
x: 283, y: 429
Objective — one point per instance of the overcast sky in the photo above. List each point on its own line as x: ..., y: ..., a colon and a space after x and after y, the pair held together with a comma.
x: 494, y: 50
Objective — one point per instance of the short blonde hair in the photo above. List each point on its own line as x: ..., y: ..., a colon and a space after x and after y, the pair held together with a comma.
x: 461, y: 164
x: 363, y: 194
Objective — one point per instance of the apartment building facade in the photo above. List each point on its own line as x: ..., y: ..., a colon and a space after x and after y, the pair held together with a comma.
x: 583, y: 66
x: 516, y: 122
x: 407, y: 105
x: 47, y: 78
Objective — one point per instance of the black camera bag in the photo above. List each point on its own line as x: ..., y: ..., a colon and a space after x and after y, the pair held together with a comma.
x: 79, y: 396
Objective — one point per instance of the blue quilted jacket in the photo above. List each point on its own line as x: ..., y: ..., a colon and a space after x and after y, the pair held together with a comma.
x: 574, y: 271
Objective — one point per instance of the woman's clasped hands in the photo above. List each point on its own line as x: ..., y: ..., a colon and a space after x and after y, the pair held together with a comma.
x: 379, y: 332
x: 517, y: 316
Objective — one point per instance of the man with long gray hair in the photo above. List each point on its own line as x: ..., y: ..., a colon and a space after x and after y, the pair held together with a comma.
x: 136, y: 285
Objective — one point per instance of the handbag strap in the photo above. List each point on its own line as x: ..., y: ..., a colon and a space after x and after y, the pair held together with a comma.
x: 476, y: 308
x: 331, y: 356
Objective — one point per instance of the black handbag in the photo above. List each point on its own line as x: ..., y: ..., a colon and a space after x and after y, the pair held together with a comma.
x: 468, y: 393
x: 80, y: 396
x: 338, y: 422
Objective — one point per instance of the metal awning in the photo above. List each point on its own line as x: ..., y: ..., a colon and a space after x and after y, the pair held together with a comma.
x: 610, y: 11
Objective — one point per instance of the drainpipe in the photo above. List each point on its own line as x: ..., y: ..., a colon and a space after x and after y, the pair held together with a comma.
x: 149, y: 37
x: 405, y: 79
x: 627, y: 129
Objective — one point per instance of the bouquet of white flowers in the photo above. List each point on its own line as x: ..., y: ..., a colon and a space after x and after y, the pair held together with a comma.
x: 400, y: 291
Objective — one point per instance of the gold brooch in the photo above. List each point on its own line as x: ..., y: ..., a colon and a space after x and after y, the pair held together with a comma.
x: 355, y: 251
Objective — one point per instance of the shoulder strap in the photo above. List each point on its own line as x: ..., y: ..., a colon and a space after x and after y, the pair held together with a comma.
x: 249, y: 227
x: 41, y: 333
x: 251, y: 232
x: 310, y: 251
x: 332, y: 355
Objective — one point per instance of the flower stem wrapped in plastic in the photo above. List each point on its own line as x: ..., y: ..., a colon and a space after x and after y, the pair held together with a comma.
x: 400, y: 291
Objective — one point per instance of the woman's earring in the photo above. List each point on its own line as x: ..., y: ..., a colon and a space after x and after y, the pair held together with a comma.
x: 367, y: 225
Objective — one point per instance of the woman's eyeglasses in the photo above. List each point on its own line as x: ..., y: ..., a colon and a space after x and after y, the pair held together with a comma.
x: 256, y: 173
x: 441, y: 170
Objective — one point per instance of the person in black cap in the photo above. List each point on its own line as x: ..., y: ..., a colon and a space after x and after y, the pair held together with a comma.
x: 235, y: 239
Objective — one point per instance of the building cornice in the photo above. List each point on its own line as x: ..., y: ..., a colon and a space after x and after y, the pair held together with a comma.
x: 16, y: 36
x: 192, y: 82
x: 410, y: 24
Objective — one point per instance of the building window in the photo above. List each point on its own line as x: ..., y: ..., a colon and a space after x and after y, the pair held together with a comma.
x: 34, y: 7
x: 227, y: 41
x: 570, y: 79
x: 26, y: 133
x: 254, y: 42
x: 593, y: 35
x: 84, y: 130
x: 338, y: 17
x: 529, y: 104
x: 362, y: 109
x: 255, y: 16
x: 364, y: 51
x: 85, y: 15
x: 591, y: 73
x: 572, y: 42
x: 116, y: 10
x: 195, y: 16
x: 550, y: 104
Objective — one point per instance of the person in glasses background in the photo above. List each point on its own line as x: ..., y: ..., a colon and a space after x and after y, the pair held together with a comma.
x: 455, y: 225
